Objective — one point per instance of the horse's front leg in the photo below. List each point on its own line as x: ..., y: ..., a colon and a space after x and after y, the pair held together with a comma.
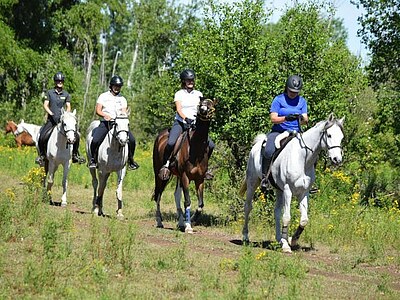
x: 121, y: 176
x: 303, y: 206
x: 50, y: 180
x: 66, y: 167
x: 187, y: 203
x: 200, y: 199
x: 179, y: 212
x: 100, y: 192
x: 283, y: 201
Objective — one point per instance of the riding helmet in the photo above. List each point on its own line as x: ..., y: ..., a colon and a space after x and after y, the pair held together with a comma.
x: 294, y: 83
x: 59, y: 76
x: 187, y: 75
x: 116, y: 80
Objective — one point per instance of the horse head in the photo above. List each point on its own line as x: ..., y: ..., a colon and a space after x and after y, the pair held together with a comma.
x: 121, y: 129
x: 332, y: 138
x: 11, y: 127
x: 206, y: 109
x: 68, y: 125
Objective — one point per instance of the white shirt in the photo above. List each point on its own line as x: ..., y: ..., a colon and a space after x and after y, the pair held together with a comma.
x: 112, y: 105
x: 189, y: 102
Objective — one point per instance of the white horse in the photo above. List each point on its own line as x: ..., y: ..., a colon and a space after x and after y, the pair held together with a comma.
x: 112, y: 157
x: 59, y: 151
x: 293, y: 172
x: 32, y: 129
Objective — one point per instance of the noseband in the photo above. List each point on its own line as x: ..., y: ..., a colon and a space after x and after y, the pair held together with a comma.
x: 210, y: 110
x: 115, y: 125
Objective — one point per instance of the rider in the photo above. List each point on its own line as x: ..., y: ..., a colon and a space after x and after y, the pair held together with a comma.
x: 186, y: 102
x: 55, y: 100
x: 288, y: 111
x: 108, y: 106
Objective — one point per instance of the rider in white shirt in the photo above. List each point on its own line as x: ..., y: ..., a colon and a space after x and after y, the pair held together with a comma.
x: 108, y: 106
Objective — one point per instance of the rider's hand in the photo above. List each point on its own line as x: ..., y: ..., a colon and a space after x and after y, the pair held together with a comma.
x: 291, y: 117
x: 107, y: 117
x: 189, y: 121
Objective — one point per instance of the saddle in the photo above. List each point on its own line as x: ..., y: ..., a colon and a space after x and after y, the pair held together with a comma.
x: 280, y: 143
x: 178, y: 146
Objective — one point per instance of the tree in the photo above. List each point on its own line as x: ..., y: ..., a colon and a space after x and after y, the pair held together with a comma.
x: 381, y: 33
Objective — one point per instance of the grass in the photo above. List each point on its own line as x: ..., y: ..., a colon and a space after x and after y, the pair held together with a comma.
x: 48, y: 252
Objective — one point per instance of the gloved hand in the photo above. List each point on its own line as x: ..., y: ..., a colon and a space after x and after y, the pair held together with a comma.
x: 189, y: 123
x: 291, y: 117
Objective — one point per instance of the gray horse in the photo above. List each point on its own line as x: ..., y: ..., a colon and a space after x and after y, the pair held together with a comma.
x: 293, y: 172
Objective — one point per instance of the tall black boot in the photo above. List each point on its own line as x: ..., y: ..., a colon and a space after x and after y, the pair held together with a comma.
x: 265, y: 164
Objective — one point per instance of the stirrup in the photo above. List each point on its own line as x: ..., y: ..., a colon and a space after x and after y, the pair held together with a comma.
x: 209, y: 175
x: 77, y: 159
x: 164, y: 173
x: 40, y: 160
x: 92, y: 164
x: 265, y: 186
x: 133, y: 165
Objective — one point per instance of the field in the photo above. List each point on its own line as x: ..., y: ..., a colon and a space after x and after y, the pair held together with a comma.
x: 50, y: 252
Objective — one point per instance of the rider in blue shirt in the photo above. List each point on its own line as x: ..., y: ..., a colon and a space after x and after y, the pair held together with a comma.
x: 288, y: 111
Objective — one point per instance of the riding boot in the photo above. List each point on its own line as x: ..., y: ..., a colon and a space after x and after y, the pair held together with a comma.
x: 76, y: 158
x: 164, y: 172
x: 265, y: 185
x: 132, y: 164
x: 93, y: 159
x: 42, y: 156
x: 209, y: 174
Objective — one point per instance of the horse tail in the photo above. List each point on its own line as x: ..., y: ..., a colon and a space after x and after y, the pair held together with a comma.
x: 243, y: 188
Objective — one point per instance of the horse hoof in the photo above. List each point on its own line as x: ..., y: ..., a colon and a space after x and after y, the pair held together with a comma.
x: 120, y: 217
x: 63, y: 204
x: 159, y: 226
x: 285, y: 246
x: 188, y: 228
x: 246, y: 242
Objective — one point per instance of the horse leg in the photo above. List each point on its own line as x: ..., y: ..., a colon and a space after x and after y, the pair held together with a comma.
x: 284, y: 201
x: 121, y: 176
x: 200, y: 199
x: 185, y: 186
x: 100, y: 192
x: 50, y: 180
x: 251, y: 184
x: 66, y: 167
x: 303, y: 206
x: 95, y: 184
x: 179, y: 212
x: 158, y: 190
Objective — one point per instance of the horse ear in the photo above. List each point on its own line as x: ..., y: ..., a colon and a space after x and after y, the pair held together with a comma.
x: 22, y: 121
x: 341, y: 121
x: 128, y: 111
x: 74, y: 112
x: 215, y: 101
x: 62, y: 110
x: 331, y: 117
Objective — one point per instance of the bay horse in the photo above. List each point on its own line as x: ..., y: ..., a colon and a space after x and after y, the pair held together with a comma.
x: 59, y: 152
x: 112, y: 157
x: 191, y: 164
x: 293, y: 172
x: 23, y: 138
x: 32, y: 129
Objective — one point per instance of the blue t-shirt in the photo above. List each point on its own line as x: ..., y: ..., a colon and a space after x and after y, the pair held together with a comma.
x: 283, y: 106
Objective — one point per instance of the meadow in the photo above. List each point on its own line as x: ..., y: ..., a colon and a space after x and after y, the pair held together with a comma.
x: 348, y: 251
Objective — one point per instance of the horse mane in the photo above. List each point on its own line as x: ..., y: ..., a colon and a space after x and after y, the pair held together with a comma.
x: 260, y: 137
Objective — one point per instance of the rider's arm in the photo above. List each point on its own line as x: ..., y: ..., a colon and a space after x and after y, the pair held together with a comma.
x: 275, y: 119
x: 178, y: 105
x: 100, y: 113
x: 305, y: 119
x: 68, y: 106
x: 47, y: 108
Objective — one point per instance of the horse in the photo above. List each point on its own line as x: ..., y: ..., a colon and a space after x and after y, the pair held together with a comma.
x: 23, y: 138
x: 32, y: 129
x: 59, y: 151
x: 191, y: 165
x: 293, y: 173
x: 112, y: 157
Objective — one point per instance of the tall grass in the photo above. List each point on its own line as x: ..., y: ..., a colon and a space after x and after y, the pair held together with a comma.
x: 349, y: 251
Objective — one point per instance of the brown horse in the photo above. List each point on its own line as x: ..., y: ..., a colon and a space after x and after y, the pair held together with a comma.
x: 191, y: 163
x: 21, y: 139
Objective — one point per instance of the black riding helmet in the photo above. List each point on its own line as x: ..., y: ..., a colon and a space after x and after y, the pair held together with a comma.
x: 59, y: 76
x: 187, y: 75
x: 294, y: 83
x: 116, y: 80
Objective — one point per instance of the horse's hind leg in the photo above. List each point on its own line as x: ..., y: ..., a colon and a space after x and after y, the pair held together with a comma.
x: 200, y: 198
x: 158, y: 190
x: 248, y: 206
